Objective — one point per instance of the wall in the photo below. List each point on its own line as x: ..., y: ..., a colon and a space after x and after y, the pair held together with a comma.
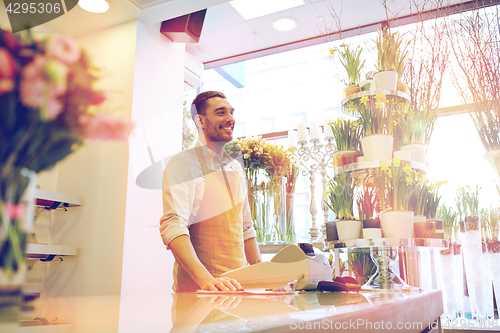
x: 157, y: 113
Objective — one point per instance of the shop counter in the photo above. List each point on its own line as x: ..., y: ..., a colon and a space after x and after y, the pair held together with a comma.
x: 310, y: 311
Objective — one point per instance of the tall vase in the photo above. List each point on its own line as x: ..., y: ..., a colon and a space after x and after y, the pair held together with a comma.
x: 478, y: 283
x: 447, y: 282
x: 290, y: 218
x: 458, y: 278
x: 259, y: 201
x: 16, y: 221
x: 277, y: 218
x: 494, y: 158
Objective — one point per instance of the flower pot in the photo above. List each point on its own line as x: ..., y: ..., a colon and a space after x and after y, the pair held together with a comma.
x: 417, y: 150
x: 344, y: 157
x: 331, y: 231
x: 494, y: 158
x: 371, y: 223
x: 348, y: 230
x: 349, y: 90
x: 368, y: 85
x: 401, y: 86
x: 403, y: 155
x: 386, y: 80
x: 377, y: 147
x: 397, y: 224
x: 424, y: 229
x: 372, y: 233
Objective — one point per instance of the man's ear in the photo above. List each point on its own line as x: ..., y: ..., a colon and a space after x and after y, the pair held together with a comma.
x: 198, y: 120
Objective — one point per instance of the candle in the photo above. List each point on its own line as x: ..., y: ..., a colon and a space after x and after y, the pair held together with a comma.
x: 328, y: 131
x: 314, y: 130
x: 292, y: 138
x: 301, y: 132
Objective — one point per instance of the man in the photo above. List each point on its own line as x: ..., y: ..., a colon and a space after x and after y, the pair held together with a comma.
x: 206, y: 221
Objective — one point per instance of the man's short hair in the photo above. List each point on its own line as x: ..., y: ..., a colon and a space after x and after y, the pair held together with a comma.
x: 198, y: 106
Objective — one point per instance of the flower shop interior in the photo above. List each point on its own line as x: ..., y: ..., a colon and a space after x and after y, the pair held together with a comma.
x: 307, y: 79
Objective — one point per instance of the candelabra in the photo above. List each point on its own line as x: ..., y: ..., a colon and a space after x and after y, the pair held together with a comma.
x: 320, y: 157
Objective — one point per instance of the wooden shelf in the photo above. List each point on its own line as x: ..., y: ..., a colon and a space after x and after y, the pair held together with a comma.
x: 48, y: 198
x: 37, y: 251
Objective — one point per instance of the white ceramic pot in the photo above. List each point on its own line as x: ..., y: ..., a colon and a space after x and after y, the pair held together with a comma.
x: 419, y: 218
x: 368, y: 85
x: 403, y: 155
x: 372, y: 233
x: 347, y: 230
x: 386, y: 80
x: 397, y: 224
x: 417, y: 151
x: 377, y: 147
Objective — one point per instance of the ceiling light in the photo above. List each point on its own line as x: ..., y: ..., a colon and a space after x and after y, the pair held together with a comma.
x: 285, y: 24
x: 250, y: 9
x: 94, y: 6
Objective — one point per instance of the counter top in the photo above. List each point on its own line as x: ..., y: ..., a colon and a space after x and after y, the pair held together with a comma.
x: 312, y: 311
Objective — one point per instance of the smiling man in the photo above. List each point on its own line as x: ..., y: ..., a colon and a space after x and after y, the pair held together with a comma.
x: 206, y: 217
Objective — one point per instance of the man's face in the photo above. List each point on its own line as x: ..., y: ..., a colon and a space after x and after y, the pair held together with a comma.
x: 218, y: 124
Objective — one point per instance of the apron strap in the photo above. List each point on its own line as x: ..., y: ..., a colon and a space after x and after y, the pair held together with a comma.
x: 206, y: 171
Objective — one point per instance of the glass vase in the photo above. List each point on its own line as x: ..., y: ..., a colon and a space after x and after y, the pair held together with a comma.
x: 259, y: 201
x: 447, y: 281
x: 478, y: 283
x: 458, y: 278
x: 277, y: 218
x: 16, y: 222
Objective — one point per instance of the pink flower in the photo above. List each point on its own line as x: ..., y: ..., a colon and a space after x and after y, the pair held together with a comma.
x: 64, y: 49
x: 37, y: 93
x: 7, y: 71
x: 98, y: 97
x: 104, y: 127
x: 14, y: 212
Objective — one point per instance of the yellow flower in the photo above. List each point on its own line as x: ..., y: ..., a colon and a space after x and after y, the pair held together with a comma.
x: 409, y: 180
x: 384, y: 166
x: 408, y: 170
x: 396, y: 161
x: 364, y: 99
x: 381, y: 98
x: 379, y: 105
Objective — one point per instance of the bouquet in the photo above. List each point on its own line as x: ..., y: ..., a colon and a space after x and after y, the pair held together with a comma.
x: 48, y: 107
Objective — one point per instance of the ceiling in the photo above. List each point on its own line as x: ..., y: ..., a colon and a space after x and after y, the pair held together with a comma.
x: 226, y: 36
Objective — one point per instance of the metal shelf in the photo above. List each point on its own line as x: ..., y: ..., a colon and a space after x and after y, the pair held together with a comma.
x: 394, y: 93
x: 363, y: 166
x: 46, y: 198
x: 400, y: 242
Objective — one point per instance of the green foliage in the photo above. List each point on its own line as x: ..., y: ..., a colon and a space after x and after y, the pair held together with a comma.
x: 361, y: 263
x: 351, y: 61
x: 450, y: 222
x: 392, y: 51
x: 347, y: 134
x: 468, y: 201
x: 340, y: 196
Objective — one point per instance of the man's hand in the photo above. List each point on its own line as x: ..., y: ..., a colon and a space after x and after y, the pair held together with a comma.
x: 221, y: 283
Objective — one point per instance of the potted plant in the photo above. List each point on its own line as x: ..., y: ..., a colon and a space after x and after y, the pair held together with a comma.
x: 368, y: 206
x: 395, y: 182
x: 340, y: 199
x: 451, y: 262
x: 491, y: 218
x: 353, y: 65
x: 425, y: 202
x: 376, y: 118
x: 412, y: 126
x: 347, y: 135
x: 391, y: 60
x: 361, y: 264
x: 480, y: 290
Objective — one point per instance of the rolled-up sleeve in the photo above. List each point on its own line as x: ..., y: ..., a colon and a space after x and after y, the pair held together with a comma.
x: 248, y: 229
x: 178, y: 192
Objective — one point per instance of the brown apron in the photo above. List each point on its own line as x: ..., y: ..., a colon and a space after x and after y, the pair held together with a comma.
x: 217, y: 230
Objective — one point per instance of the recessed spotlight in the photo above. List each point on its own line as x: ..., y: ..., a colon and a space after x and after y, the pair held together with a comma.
x: 94, y: 6
x: 285, y: 24
x: 251, y: 9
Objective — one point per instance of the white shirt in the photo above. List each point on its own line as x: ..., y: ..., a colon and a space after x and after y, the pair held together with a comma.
x: 184, y: 186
